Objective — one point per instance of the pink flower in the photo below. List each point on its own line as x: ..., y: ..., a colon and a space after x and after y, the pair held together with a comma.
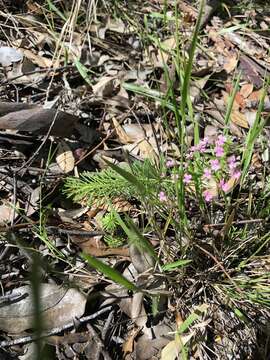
x: 221, y: 140
x: 207, y: 174
x: 194, y: 148
x: 202, y: 144
x: 215, y: 165
x: 219, y: 151
x: 170, y: 163
x: 205, y: 140
x: 232, y: 162
x: 237, y: 174
x: 224, y: 185
x: 207, y: 196
x: 187, y: 178
x: 162, y: 196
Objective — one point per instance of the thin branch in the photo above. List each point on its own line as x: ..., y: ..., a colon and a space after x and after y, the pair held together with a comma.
x: 221, y: 267
x: 54, y: 331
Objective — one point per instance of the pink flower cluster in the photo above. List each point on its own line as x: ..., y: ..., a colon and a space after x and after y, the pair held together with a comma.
x: 218, y: 167
x: 215, y: 165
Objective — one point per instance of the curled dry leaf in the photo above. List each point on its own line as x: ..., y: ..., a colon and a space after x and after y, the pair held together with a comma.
x: 68, y: 215
x: 58, y: 306
x: 255, y: 96
x: 226, y: 98
x: 251, y: 117
x: 137, y: 135
x: 113, y: 25
x: 119, y: 205
x: 65, y: 158
x: 164, y: 52
x: 135, y: 132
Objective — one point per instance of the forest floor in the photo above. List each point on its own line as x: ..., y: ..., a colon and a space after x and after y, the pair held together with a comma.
x: 134, y: 180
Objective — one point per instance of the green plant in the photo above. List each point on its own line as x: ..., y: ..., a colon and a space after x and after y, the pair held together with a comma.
x: 111, y: 225
x: 110, y: 222
x: 96, y: 187
x: 111, y: 273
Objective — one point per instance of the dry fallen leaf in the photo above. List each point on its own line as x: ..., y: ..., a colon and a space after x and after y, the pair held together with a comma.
x: 239, y: 119
x: 231, y: 183
x: 256, y: 161
x: 123, y: 136
x: 246, y: 90
x: 7, y: 213
x: 164, y: 52
x: 58, y: 305
x: 104, y: 87
x: 255, y: 95
x: 95, y: 247
x: 251, y: 71
x: 33, y: 204
x: 226, y: 97
x: 129, y: 343
x: 41, y: 61
x: 9, y: 55
x: 35, y: 119
x: 65, y: 158
x: 146, y: 150
x: 231, y: 62
x: 119, y: 205
x: 212, y: 188
x: 172, y: 350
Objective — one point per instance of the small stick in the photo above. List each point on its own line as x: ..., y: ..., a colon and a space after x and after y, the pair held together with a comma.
x: 55, y: 229
x: 241, y: 222
x: 54, y: 331
x: 221, y: 267
x: 107, y: 325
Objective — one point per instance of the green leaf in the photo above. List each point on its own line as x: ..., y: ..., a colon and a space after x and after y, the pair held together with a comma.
x: 175, y: 264
x: 150, y: 93
x: 139, y: 240
x: 128, y: 176
x: 135, y: 237
x: 231, y: 101
x: 192, y: 317
x: 83, y: 71
x: 188, y: 69
x: 56, y: 10
x: 108, y: 271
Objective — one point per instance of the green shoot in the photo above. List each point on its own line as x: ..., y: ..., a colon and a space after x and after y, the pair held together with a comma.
x: 111, y: 273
